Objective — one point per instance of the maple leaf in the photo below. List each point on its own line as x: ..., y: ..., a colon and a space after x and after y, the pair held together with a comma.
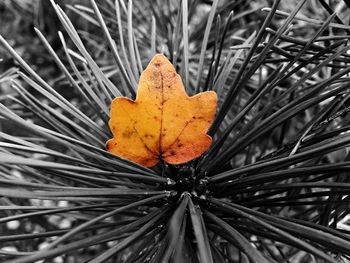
x: 163, y: 122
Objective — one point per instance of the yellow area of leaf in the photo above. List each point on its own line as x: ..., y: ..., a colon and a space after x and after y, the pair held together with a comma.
x: 163, y: 122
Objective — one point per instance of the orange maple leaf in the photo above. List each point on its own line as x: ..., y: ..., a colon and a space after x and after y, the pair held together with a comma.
x: 163, y: 122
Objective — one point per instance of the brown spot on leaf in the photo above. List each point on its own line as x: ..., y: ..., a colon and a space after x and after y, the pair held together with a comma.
x: 198, y: 118
x: 128, y: 133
